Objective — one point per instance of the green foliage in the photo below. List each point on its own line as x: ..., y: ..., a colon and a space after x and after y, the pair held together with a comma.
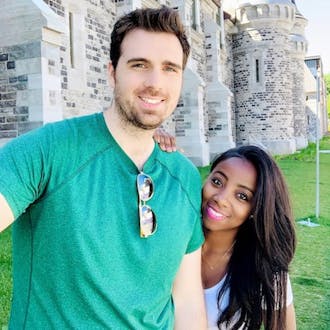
x: 327, y: 82
x: 204, y: 172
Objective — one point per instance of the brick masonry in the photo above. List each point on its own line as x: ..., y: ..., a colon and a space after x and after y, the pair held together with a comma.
x: 14, y: 89
x: 244, y: 81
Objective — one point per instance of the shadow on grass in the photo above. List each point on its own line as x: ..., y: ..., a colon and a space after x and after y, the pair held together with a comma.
x: 308, y: 281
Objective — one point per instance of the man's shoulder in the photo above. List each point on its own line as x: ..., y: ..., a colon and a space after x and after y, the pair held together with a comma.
x: 58, y: 130
x: 78, y: 135
x: 75, y: 130
x: 178, y: 164
x: 81, y: 122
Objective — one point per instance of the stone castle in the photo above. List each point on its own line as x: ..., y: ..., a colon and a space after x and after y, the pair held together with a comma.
x: 247, y: 79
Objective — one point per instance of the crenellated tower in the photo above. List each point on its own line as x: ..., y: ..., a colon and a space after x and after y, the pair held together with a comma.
x: 263, y: 74
x: 298, y: 44
x: 245, y: 80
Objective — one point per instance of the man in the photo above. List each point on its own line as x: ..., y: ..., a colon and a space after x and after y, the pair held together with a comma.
x: 93, y: 247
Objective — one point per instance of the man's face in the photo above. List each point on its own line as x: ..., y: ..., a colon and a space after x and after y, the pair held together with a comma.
x: 148, y: 78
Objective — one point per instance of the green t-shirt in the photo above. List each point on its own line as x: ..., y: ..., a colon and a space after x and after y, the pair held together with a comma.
x: 78, y: 259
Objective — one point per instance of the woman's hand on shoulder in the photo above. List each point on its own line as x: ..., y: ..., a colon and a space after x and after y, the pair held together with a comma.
x: 165, y: 140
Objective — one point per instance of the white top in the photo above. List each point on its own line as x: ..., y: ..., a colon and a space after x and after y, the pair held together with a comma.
x: 211, y: 301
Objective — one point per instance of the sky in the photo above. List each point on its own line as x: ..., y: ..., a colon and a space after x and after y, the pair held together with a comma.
x: 317, y: 31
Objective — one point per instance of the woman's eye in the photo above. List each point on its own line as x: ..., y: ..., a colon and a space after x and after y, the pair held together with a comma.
x: 243, y: 196
x: 216, y: 181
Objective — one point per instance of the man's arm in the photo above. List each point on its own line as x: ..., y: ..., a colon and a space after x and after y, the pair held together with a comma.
x: 188, y: 294
x: 6, y: 214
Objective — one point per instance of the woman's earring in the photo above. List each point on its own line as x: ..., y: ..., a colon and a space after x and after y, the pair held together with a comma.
x: 251, y: 216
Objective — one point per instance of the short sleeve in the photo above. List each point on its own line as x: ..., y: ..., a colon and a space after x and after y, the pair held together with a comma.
x: 22, y: 171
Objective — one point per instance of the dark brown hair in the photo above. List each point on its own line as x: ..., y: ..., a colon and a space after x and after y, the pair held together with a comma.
x: 265, y: 245
x: 163, y: 19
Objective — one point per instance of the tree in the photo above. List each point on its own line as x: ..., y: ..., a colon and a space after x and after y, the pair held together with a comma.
x: 327, y: 83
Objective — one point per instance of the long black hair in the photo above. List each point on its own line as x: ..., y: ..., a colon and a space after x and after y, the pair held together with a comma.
x: 264, y: 248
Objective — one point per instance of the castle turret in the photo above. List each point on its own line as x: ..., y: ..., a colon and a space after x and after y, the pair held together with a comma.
x: 298, y: 51
x: 263, y: 74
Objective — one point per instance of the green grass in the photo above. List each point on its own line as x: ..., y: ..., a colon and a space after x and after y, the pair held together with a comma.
x: 310, y: 270
x: 5, y: 276
x: 310, y: 277
x: 300, y: 172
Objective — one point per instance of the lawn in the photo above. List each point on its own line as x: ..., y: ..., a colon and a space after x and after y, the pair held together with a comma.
x: 5, y: 276
x: 310, y: 270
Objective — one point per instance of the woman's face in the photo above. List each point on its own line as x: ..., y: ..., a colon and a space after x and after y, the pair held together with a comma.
x: 228, y: 194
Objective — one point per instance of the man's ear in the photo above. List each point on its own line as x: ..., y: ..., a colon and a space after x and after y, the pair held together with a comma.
x: 111, y: 74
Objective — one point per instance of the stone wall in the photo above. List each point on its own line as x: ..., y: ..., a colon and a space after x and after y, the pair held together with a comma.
x: 85, y: 55
x: 298, y: 44
x: 243, y: 82
x: 15, y: 93
x: 316, y: 102
x: 29, y: 79
x: 263, y: 85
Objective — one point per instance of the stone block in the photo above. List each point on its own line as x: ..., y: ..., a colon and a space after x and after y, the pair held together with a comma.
x: 21, y: 110
x: 3, y: 57
x: 35, y: 81
x: 25, y: 51
x: 3, y: 67
x: 10, y: 65
x: 8, y: 126
x: 28, y: 66
x: 28, y: 126
x: 8, y: 135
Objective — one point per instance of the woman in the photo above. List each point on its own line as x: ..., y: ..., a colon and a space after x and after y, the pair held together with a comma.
x: 249, y: 241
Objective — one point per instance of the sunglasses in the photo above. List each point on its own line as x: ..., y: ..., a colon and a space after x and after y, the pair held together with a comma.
x: 145, y: 187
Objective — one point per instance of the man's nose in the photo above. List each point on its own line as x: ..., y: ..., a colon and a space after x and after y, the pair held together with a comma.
x: 154, y: 79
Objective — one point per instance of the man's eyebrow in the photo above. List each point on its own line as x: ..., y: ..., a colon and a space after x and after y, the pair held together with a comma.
x: 175, y: 65
x: 137, y: 59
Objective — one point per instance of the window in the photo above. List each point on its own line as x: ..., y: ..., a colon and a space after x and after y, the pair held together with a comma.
x: 195, y: 19
x: 257, y: 71
x: 193, y: 15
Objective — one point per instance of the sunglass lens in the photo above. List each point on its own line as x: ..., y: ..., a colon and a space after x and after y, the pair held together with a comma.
x: 147, y: 221
x: 145, y: 187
